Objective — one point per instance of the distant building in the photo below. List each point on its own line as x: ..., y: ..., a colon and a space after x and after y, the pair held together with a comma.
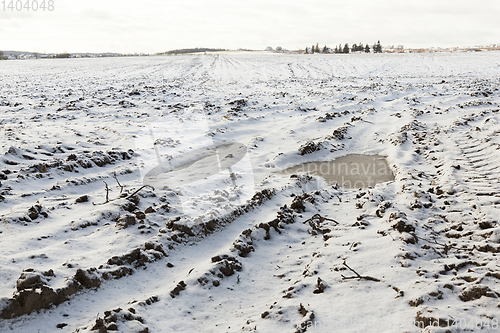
x: 11, y: 57
x: 269, y: 48
x: 279, y: 48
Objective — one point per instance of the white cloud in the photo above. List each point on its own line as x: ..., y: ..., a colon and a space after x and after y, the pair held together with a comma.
x: 154, y: 25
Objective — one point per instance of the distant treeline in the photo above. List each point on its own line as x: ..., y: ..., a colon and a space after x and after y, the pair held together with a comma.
x: 375, y: 48
x: 198, y: 49
x: 64, y: 55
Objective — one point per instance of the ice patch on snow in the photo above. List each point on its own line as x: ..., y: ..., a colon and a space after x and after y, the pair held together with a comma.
x: 350, y: 171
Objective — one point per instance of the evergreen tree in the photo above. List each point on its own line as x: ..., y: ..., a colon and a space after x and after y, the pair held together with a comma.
x: 354, y: 48
x: 312, y: 49
x: 325, y: 49
x: 367, y: 48
x: 346, y: 48
x: 317, y: 48
x: 378, y: 47
x: 306, y: 51
x: 336, y: 50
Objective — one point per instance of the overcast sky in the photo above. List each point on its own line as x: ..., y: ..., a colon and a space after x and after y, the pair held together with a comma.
x: 156, y: 25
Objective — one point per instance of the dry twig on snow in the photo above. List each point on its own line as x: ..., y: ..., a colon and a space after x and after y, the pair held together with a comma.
x: 365, y: 277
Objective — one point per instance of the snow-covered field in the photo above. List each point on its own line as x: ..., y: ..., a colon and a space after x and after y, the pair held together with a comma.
x: 149, y: 194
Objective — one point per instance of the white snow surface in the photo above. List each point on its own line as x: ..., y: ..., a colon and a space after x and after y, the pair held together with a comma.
x: 425, y: 245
